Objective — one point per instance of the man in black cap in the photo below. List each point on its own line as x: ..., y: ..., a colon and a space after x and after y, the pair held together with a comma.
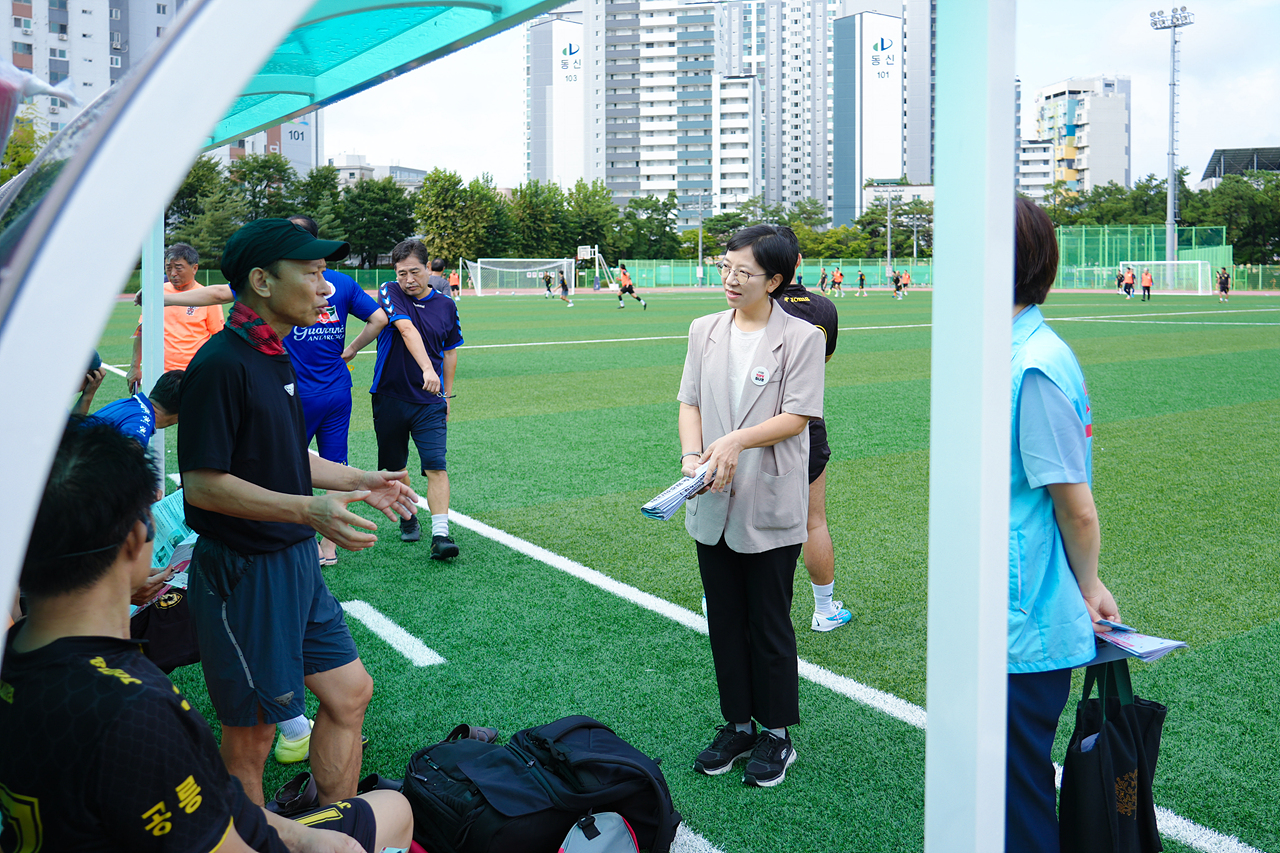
x: 267, y: 624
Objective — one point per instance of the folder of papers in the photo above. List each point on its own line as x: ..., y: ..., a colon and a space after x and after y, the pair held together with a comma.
x: 1141, y: 646
x: 665, y: 505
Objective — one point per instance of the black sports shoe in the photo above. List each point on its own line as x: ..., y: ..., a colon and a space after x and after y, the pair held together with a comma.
x: 298, y: 795
x: 769, y: 760
x: 443, y: 548
x: 409, y: 529
x: 728, y: 746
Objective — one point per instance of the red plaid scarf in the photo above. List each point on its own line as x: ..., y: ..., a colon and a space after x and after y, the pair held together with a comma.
x: 246, y: 323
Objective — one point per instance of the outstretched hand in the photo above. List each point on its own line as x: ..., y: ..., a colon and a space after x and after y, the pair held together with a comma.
x: 328, y: 515
x: 390, y: 492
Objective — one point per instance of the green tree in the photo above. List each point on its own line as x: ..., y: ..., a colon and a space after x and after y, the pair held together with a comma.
x: 266, y: 183
x: 541, y: 221
x: 25, y: 142
x: 490, y: 217
x: 318, y: 195
x: 204, y: 178
x: 222, y: 213
x: 649, y: 226
x: 440, y: 210
x: 593, y: 217
x: 376, y: 215
x: 716, y: 230
x: 808, y: 212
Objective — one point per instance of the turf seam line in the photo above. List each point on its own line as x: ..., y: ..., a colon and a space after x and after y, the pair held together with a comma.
x: 395, y: 636
x: 1171, y: 825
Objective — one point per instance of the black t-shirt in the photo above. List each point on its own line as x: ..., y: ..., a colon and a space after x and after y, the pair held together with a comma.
x: 99, y: 752
x: 241, y: 414
x: 818, y: 310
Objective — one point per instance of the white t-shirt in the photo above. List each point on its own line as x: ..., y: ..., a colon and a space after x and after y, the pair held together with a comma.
x: 742, y: 349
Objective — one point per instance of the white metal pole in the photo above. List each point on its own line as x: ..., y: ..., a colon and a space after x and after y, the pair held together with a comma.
x: 1170, y: 226
x: 969, y: 433
x: 152, y: 286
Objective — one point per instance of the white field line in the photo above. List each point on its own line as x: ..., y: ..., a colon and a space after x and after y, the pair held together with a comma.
x: 1171, y: 825
x: 111, y: 367
x: 1180, y: 322
x: 397, y: 637
x: 177, y: 478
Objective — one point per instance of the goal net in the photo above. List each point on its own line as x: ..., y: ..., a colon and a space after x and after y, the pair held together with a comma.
x: 1188, y: 276
x: 490, y: 276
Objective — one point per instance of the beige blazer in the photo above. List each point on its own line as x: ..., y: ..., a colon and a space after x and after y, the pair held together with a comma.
x: 767, y: 506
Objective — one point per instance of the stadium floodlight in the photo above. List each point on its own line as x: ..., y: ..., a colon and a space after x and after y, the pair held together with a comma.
x: 1177, y: 18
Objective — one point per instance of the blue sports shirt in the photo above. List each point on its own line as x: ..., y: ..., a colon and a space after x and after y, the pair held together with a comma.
x: 435, y: 316
x: 317, y: 350
x: 134, y: 416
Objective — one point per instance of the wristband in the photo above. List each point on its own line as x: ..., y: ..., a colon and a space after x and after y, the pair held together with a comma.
x: 690, y: 453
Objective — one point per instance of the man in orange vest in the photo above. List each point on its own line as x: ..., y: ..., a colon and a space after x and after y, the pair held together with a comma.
x: 185, y: 329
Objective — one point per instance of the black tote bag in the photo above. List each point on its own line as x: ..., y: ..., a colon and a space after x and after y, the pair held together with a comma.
x: 1106, y: 804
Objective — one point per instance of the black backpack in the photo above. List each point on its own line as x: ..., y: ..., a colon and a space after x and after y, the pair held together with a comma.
x: 474, y: 797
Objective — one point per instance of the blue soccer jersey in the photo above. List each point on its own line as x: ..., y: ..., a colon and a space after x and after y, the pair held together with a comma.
x: 317, y: 350
x: 435, y: 316
x: 134, y: 416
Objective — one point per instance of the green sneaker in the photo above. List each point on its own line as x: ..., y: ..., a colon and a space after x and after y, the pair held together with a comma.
x: 292, y: 751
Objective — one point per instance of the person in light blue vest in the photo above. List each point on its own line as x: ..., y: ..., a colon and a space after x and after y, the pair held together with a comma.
x: 1055, y: 596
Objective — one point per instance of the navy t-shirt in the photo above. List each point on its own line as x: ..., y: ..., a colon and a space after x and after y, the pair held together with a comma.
x: 317, y: 350
x: 813, y: 308
x: 134, y: 416
x: 435, y: 317
x: 241, y: 414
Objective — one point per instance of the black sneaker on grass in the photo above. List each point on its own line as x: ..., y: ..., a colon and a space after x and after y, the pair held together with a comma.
x: 409, y: 530
x: 443, y: 548
x: 728, y: 746
x: 769, y: 760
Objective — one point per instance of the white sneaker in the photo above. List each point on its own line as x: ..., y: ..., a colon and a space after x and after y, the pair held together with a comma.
x: 704, y: 607
x: 570, y: 304
x: 621, y: 306
x: 835, y: 620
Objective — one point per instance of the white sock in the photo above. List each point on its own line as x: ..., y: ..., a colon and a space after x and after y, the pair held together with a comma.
x: 781, y: 733
x: 742, y: 727
x: 440, y: 524
x: 294, y: 729
x: 822, y: 598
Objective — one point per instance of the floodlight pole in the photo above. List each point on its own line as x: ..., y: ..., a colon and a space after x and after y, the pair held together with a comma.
x: 1177, y: 17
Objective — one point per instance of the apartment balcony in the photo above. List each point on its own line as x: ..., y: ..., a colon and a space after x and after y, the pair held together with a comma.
x: 694, y: 140
x: 693, y: 125
x: 696, y: 19
x: 695, y: 64
x: 698, y: 80
x: 701, y: 35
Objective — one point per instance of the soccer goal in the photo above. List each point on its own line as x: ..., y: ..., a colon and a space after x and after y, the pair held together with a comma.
x: 1192, y: 276
x: 493, y: 275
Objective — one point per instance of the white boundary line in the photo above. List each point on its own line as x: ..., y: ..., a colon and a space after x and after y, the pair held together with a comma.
x: 1171, y: 825
x: 112, y: 368
x: 396, y: 637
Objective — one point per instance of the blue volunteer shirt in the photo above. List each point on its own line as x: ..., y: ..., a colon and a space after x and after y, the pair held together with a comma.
x: 435, y: 316
x: 133, y: 416
x: 317, y: 350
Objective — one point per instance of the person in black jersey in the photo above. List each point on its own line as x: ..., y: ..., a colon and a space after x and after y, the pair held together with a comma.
x: 819, y: 555
x: 98, y: 750
x: 546, y: 280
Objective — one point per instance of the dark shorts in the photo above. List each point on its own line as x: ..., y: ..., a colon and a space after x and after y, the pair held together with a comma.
x: 328, y: 418
x: 630, y: 288
x: 353, y: 817
x: 819, y: 450
x: 1224, y: 288
x: 265, y: 622
x: 394, y: 421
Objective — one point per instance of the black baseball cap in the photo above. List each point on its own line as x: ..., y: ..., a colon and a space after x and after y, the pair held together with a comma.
x: 265, y: 241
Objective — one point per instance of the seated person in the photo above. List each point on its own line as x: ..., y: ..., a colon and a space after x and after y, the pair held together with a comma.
x: 98, y: 750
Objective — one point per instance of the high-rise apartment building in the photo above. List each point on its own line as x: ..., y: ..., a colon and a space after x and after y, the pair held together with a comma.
x: 918, y: 38
x: 91, y: 43
x: 1088, y: 121
x: 300, y: 141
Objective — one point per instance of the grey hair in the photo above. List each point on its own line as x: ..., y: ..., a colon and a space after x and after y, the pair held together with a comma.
x: 182, y: 252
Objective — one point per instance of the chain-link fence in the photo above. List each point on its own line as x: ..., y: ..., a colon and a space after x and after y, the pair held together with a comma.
x: 682, y: 273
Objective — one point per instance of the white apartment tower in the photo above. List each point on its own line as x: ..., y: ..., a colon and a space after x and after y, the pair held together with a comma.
x: 1087, y: 120
x: 919, y: 27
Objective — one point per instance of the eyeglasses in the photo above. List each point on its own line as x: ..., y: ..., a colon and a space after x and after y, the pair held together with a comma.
x: 741, y: 276
x: 146, y: 518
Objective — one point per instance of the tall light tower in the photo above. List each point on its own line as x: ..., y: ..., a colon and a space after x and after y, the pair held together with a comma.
x: 1178, y: 17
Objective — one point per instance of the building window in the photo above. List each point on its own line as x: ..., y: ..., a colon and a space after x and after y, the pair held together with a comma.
x: 162, y: 8
x: 55, y: 53
x: 56, y: 77
x: 57, y: 29
x: 22, y: 23
x: 58, y: 4
x: 55, y: 126
x: 114, y: 14
x: 114, y: 60
x: 159, y: 31
x: 22, y: 47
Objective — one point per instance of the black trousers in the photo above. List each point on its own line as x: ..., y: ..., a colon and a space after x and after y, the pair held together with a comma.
x: 1036, y: 700
x: 753, y: 642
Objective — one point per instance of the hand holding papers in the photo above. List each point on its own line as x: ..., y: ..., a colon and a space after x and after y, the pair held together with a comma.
x: 665, y: 505
x: 1140, y: 646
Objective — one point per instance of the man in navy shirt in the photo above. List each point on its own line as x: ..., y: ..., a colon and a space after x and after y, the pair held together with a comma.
x: 412, y: 384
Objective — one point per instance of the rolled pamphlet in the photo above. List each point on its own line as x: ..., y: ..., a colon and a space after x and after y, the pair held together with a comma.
x: 665, y: 505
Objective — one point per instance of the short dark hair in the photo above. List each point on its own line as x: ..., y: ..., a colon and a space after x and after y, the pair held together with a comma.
x: 405, y: 248
x: 102, y: 482
x: 167, y: 392
x: 182, y: 251
x: 775, y: 249
x: 437, y: 265
x: 306, y: 222
x: 1035, y: 253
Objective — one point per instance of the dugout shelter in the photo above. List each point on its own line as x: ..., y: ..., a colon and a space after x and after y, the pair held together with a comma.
x: 83, y: 198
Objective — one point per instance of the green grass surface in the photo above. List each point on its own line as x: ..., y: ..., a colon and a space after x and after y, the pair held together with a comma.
x: 561, y: 444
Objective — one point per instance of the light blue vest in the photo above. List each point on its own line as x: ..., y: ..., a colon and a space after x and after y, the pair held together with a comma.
x: 1048, y: 623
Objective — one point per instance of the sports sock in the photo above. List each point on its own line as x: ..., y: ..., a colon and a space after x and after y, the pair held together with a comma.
x: 782, y: 732
x: 822, y: 598
x: 440, y: 524
x: 294, y: 729
x: 742, y: 727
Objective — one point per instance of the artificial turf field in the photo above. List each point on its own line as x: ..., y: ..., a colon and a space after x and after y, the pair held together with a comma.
x: 565, y: 423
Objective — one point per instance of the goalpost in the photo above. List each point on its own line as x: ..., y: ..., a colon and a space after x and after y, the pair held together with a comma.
x: 493, y: 275
x: 1193, y: 276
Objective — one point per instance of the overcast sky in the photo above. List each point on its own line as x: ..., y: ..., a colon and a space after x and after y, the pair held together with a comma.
x: 466, y: 112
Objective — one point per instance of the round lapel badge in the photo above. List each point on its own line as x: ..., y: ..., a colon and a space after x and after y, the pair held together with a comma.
x: 760, y: 375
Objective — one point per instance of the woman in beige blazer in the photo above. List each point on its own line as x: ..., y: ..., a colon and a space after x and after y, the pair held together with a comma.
x: 752, y: 379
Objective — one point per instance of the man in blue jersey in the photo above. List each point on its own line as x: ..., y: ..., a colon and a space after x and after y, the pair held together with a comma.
x: 141, y: 415
x: 412, y: 384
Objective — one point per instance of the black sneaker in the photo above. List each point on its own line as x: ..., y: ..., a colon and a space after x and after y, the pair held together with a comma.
x: 443, y: 548
x: 728, y: 746
x: 409, y: 530
x: 769, y: 760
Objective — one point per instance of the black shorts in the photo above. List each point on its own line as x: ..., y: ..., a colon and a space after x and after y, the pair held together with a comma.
x: 630, y: 288
x: 395, y: 421
x: 454, y: 288
x: 353, y: 817
x: 819, y: 450
x: 1222, y: 288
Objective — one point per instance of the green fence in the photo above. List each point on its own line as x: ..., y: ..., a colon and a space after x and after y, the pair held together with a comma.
x: 681, y: 273
x: 1255, y: 277
x: 367, y: 279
